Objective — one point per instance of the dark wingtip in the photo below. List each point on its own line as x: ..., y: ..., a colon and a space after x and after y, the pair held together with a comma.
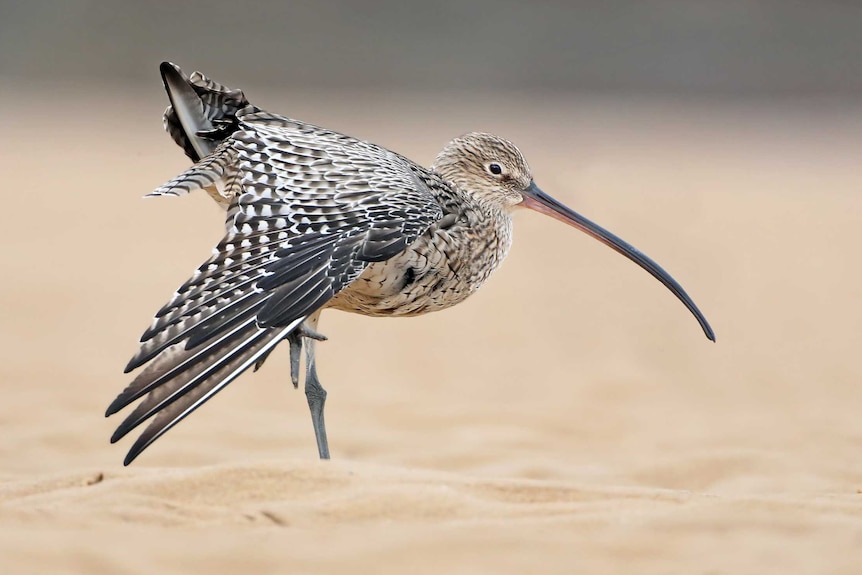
x: 172, y: 78
x: 119, y: 434
x: 128, y: 424
x: 115, y: 406
x: 166, y: 68
x: 171, y: 75
x: 137, y: 361
x: 138, y: 447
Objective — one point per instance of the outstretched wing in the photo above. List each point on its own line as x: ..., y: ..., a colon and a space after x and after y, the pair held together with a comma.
x: 314, y: 209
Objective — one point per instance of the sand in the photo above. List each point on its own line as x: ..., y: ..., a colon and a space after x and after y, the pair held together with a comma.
x: 569, y: 418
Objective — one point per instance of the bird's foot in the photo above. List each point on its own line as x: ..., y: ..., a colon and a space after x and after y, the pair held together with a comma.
x: 295, y: 340
x: 306, y: 331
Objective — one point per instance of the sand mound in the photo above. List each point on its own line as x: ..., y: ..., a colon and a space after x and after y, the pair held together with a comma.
x: 337, y: 515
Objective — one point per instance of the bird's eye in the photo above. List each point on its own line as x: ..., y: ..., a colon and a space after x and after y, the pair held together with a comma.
x: 495, y: 168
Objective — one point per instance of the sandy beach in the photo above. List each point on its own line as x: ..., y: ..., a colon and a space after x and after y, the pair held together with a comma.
x: 569, y: 418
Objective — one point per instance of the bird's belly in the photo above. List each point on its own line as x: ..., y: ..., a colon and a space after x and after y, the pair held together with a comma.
x: 432, y: 274
x: 408, y: 284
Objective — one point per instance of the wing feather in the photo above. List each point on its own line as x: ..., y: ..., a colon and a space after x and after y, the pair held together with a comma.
x: 202, y: 112
x: 171, y: 363
x: 312, y: 209
x: 219, y: 375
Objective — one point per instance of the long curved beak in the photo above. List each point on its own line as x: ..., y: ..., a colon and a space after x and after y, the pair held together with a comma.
x: 537, y: 200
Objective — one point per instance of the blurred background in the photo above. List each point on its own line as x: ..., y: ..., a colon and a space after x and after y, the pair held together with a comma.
x: 724, y: 139
x: 699, y: 48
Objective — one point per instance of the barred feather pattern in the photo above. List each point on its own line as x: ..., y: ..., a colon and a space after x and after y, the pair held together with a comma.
x: 317, y: 207
x: 216, y: 174
x: 314, y: 219
x: 311, y: 210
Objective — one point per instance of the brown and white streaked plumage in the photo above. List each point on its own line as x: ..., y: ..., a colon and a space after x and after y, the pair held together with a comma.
x: 315, y: 220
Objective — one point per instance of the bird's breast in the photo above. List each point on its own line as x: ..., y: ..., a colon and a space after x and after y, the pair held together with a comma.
x: 441, y: 268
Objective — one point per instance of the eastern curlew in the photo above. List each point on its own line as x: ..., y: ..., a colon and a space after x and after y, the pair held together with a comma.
x: 317, y: 220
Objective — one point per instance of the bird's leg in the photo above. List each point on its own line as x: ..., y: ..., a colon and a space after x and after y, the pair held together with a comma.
x: 316, y: 396
x: 314, y: 392
x: 294, y: 338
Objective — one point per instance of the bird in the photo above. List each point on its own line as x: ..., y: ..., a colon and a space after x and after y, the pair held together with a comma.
x: 316, y: 220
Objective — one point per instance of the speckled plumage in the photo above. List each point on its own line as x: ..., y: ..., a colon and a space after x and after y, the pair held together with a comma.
x: 315, y: 220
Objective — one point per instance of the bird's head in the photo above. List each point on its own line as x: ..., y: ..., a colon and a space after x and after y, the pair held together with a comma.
x: 487, y: 167
x: 494, y: 171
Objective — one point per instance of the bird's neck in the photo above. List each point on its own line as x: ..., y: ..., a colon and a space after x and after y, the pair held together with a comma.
x: 491, y: 226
